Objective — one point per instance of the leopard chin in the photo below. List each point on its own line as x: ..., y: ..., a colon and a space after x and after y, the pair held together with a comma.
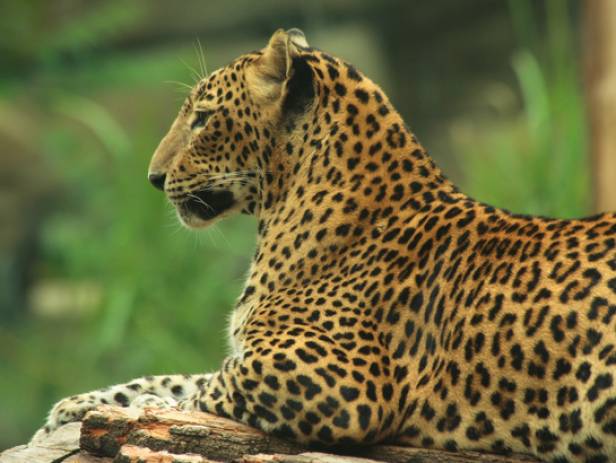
x: 201, y: 207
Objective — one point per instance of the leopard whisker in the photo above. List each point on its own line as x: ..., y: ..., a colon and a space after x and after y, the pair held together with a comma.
x: 200, y: 201
x: 196, y: 76
x: 201, y: 57
x: 182, y: 85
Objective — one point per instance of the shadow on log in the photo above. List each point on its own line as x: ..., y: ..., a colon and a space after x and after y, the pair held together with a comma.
x: 125, y: 435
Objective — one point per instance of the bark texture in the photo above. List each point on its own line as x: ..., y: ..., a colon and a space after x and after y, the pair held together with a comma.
x: 124, y: 435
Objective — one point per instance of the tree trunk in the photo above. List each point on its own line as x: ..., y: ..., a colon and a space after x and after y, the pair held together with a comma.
x: 600, y: 68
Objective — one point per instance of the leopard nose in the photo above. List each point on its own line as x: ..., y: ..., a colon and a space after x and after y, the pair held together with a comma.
x: 158, y: 180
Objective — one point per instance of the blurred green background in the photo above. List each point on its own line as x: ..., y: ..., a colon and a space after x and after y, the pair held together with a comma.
x: 99, y: 283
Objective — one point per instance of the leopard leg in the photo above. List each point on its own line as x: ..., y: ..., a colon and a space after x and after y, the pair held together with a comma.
x: 159, y: 391
x: 305, y: 389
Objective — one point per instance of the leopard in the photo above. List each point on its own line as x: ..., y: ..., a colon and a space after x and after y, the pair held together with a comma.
x: 382, y: 304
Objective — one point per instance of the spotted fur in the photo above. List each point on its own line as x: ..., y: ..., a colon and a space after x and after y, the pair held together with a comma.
x: 382, y: 304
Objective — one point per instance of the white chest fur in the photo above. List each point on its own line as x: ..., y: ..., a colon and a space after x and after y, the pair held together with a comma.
x: 237, y: 322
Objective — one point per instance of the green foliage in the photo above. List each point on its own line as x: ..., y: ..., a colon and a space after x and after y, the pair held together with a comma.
x: 164, y: 291
x: 534, y: 161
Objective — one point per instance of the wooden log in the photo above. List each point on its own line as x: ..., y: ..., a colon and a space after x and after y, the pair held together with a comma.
x: 58, y: 446
x: 109, y: 431
x: 134, y: 454
x: 125, y: 435
x: 105, y: 430
x: 308, y: 457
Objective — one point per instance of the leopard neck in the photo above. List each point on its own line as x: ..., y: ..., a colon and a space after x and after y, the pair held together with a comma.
x: 351, y: 156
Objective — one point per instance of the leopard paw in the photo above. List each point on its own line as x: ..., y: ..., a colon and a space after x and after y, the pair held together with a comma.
x: 151, y: 400
x: 65, y: 411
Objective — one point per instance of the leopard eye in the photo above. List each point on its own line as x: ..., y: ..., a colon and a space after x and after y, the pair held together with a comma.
x: 200, y: 119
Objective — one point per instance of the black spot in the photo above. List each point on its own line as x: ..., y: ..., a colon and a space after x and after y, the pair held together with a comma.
x: 305, y: 356
x: 305, y: 427
x: 517, y: 355
x: 612, y: 284
x: 349, y: 393
x: 267, y: 399
x: 387, y: 391
x: 427, y: 411
x: 352, y: 73
x: 583, y: 372
x: 522, y: 433
x: 343, y: 230
x: 311, y: 389
x: 472, y: 433
x: 333, y: 72
x: 121, y: 398
x: 451, y: 445
x: 352, y: 163
x: 362, y: 95
x: 417, y: 302
x: 563, y: 367
x: 547, y: 440
x: 364, y: 412
x: 257, y: 367
x: 340, y: 89
x: 342, y: 420
x: 325, y: 435
x: 555, y: 326
x: 285, y: 365
x: 603, y: 381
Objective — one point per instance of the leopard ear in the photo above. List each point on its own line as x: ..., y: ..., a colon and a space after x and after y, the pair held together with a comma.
x: 275, y: 62
x: 277, y: 58
x: 298, y: 39
x: 274, y: 68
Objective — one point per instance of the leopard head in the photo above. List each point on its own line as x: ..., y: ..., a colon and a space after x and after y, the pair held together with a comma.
x: 217, y: 157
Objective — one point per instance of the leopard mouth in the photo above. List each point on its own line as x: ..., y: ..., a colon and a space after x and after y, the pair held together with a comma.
x: 207, y: 204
